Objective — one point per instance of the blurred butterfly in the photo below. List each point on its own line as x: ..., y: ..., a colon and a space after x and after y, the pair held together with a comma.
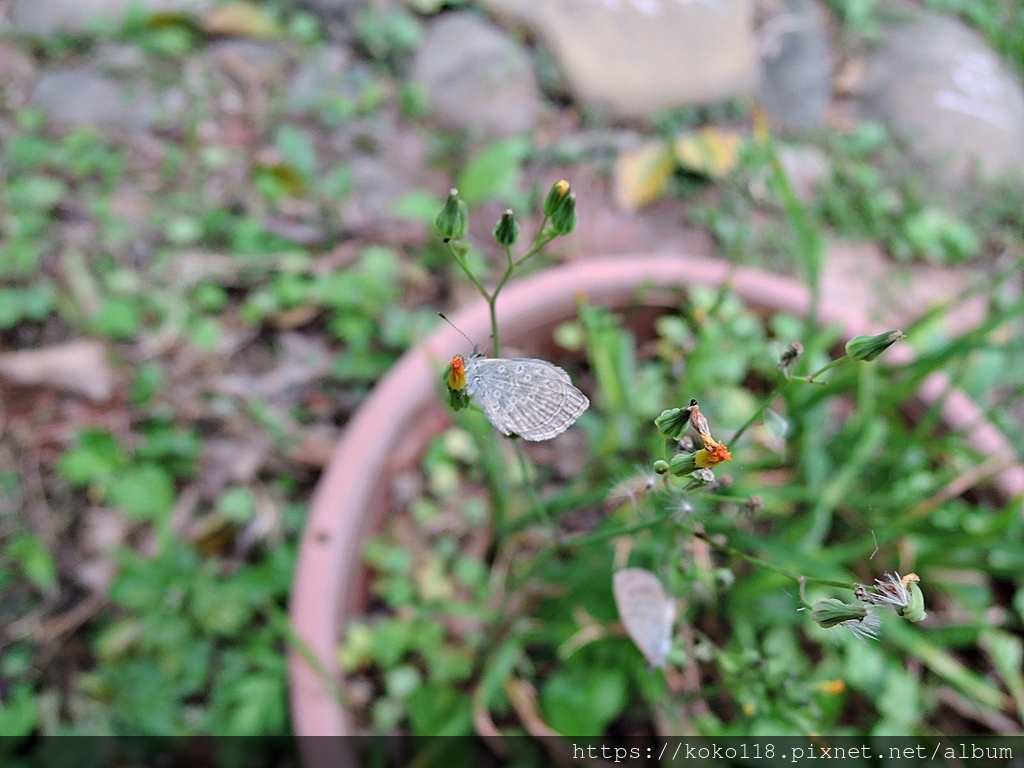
x: 646, y: 611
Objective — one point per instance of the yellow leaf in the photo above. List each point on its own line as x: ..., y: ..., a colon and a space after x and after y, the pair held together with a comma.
x: 289, y: 179
x: 710, y: 152
x: 240, y: 19
x: 170, y: 19
x: 433, y: 582
x: 640, y: 175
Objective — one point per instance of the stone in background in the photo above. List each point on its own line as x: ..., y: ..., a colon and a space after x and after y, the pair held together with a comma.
x: 631, y: 58
x: 938, y: 83
x: 477, y: 77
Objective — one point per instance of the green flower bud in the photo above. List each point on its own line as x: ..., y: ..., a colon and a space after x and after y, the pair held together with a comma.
x: 556, y: 196
x: 661, y: 466
x: 507, y: 231
x: 563, y: 220
x: 830, y: 611
x: 914, y: 611
x: 867, y: 348
x: 673, y: 422
x: 452, y: 222
x: 682, y: 464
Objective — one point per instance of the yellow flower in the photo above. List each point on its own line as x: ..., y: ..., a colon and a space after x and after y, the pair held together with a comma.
x: 831, y: 687
x: 457, y: 374
x: 556, y: 196
x: 712, y: 454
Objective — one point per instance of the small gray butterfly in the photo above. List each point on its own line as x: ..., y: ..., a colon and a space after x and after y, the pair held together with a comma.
x: 522, y: 396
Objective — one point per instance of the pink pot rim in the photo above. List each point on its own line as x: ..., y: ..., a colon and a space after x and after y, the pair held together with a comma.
x: 406, y: 400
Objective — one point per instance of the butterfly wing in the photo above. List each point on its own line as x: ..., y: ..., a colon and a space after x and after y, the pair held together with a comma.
x: 646, y: 611
x: 531, y: 398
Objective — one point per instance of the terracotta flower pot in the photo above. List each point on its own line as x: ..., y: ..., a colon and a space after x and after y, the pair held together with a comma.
x: 393, y: 426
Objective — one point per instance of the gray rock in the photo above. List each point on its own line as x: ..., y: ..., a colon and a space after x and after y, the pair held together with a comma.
x: 794, y: 84
x: 334, y: 9
x: 255, y: 62
x: 339, y: 17
x: 121, y: 59
x: 387, y: 160
x: 79, y: 97
x: 633, y: 57
x: 323, y: 73
x: 47, y: 16
x: 936, y: 81
x: 19, y: 75
x: 477, y: 77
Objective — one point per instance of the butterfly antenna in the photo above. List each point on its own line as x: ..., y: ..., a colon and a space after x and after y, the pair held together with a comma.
x: 476, y: 350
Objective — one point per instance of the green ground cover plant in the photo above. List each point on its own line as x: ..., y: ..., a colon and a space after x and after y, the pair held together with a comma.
x: 144, y: 571
x: 505, y: 612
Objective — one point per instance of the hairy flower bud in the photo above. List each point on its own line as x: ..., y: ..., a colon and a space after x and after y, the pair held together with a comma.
x: 452, y: 222
x: 682, y: 464
x: 556, y: 196
x: 867, y: 348
x: 507, y: 231
x: 672, y: 422
x: 830, y: 611
x: 563, y: 220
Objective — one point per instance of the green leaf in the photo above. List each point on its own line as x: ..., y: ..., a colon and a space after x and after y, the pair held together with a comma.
x: 391, y: 641
x: 10, y: 307
x: 149, y: 378
x: 141, y: 698
x: 20, y: 713
x: 494, y: 173
x: 27, y: 152
x: 418, y: 205
x: 336, y: 183
x: 1007, y: 654
x: 582, y: 702
x: 119, y: 317
x: 205, y: 333
x: 183, y: 230
x: 450, y: 664
x: 33, y: 556
x: 297, y: 148
x: 356, y: 648
x: 39, y: 192
x: 900, y: 704
x: 94, y: 459
x: 260, y: 706
x: 223, y: 608
x: 388, y: 33
x: 189, y: 659
x: 237, y: 504
x: 38, y: 301
x: 32, y: 303
x: 440, y: 710
x: 173, y: 448
x: 402, y: 681
x: 145, y: 492
x: 115, y: 640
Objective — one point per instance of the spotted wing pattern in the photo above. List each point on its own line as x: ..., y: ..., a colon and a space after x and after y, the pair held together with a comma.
x: 531, y: 398
x: 646, y: 611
